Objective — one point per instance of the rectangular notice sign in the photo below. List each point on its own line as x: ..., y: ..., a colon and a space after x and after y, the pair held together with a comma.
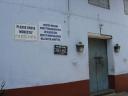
x: 49, y: 31
x: 25, y: 32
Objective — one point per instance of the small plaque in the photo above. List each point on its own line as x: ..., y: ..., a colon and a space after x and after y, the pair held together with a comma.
x: 60, y: 50
x: 26, y: 32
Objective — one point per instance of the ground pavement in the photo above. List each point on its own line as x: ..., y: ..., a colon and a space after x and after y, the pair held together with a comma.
x: 117, y: 94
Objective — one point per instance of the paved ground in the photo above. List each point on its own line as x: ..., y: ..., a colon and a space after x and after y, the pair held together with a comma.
x: 118, y: 94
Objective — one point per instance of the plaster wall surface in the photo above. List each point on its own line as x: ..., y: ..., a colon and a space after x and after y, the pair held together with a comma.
x: 24, y: 64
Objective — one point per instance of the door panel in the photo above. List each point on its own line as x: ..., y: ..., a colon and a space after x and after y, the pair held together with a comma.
x: 98, y: 66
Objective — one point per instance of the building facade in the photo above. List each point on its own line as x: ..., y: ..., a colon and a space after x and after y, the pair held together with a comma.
x: 38, y: 46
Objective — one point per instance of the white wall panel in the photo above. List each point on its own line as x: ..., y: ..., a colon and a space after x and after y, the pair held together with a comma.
x: 24, y: 64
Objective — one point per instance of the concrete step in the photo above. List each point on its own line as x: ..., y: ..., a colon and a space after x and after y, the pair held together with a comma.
x: 117, y: 94
x: 103, y: 92
x: 109, y: 92
x: 113, y: 94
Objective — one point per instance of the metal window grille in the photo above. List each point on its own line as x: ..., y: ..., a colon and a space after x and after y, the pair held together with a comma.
x: 100, y: 3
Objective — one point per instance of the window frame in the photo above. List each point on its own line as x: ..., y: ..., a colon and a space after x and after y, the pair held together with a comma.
x: 98, y: 5
x: 125, y: 11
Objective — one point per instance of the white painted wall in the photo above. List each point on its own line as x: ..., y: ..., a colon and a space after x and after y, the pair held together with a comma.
x: 24, y: 64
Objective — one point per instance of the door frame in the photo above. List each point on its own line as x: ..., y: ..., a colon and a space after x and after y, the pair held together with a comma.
x: 108, y: 38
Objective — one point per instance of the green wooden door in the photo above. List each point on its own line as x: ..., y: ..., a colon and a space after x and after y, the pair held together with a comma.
x: 98, y: 66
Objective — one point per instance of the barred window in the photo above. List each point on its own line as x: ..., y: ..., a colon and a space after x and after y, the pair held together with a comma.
x: 126, y: 7
x: 100, y: 3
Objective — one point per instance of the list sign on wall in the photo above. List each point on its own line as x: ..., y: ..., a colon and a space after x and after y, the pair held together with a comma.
x: 25, y: 32
x: 50, y: 32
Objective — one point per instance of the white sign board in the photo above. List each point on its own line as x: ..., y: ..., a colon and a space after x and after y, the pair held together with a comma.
x: 25, y: 32
x: 50, y: 32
